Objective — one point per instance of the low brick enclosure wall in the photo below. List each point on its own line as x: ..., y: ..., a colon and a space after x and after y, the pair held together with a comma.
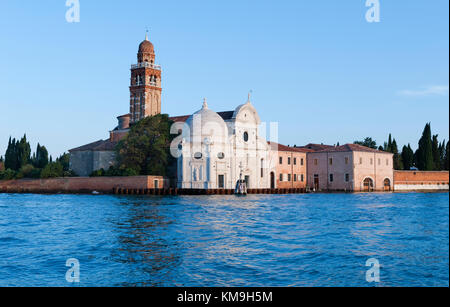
x: 83, y: 184
x: 421, y: 181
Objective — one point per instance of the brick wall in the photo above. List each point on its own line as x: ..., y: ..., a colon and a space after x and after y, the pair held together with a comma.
x: 83, y: 184
x: 421, y: 178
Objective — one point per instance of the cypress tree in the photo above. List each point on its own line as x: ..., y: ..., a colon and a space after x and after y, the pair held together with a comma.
x: 23, y: 152
x: 11, y: 158
x: 447, y: 157
x: 398, y: 165
x: 424, y: 154
x: 389, y: 144
x: 407, y: 157
x: 436, y: 153
x: 41, y: 159
x: 442, y: 155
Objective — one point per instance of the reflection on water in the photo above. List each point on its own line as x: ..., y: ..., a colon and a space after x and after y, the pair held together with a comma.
x: 267, y: 240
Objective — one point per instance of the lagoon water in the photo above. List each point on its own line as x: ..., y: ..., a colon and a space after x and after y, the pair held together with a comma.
x: 266, y: 240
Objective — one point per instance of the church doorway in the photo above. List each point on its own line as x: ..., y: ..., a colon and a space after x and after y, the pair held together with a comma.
x: 221, y: 181
x: 272, y: 180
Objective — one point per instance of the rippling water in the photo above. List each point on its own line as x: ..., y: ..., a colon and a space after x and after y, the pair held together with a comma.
x: 267, y: 240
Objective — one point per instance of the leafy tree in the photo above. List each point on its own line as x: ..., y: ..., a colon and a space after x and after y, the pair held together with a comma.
x: 25, y: 171
x: 52, y: 170
x: 8, y: 174
x: 146, y: 149
x: 368, y: 142
x: 64, y: 159
x: 424, y: 154
x: 407, y: 157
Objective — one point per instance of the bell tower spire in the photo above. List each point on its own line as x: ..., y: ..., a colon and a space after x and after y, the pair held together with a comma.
x: 145, y: 87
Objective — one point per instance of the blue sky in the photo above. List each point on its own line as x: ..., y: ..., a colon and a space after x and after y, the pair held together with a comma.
x: 316, y: 67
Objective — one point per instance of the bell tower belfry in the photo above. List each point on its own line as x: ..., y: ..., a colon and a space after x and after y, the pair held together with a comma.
x: 145, y: 87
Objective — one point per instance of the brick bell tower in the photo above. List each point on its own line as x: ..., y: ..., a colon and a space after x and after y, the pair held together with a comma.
x: 145, y: 88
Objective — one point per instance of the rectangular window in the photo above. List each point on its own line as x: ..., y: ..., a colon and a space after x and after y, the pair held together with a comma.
x: 281, y: 160
x: 295, y: 177
x: 379, y: 161
x: 301, y: 161
x: 331, y: 177
x: 302, y: 177
x: 289, y: 160
x: 315, y: 162
x: 346, y: 160
x: 281, y: 177
x: 156, y: 183
x: 347, y: 177
x: 387, y: 161
x: 295, y: 161
x: 360, y: 161
x: 371, y: 161
x: 289, y: 177
x: 331, y: 161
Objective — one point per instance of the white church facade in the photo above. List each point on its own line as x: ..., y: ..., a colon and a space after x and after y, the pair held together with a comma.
x: 216, y: 151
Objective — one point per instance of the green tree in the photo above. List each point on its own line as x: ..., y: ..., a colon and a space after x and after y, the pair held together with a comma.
x: 8, y: 174
x: 23, y: 152
x: 424, y: 154
x: 368, y: 142
x: 447, y: 157
x: 388, y: 145
x: 52, y: 170
x: 436, y: 153
x: 11, y: 155
x: 398, y: 165
x: 40, y: 157
x: 64, y: 159
x: 146, y: 149
x: 407, y: 157
x: 442, y: 155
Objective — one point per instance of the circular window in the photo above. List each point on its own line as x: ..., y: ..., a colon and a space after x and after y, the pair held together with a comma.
x: 221, y: 155
x: 180, y: 147
x: 246, y: 136
x: 198, y: 155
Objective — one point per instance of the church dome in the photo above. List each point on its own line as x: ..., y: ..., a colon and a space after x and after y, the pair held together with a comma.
x: 206, y: 123
x: 146, y: 47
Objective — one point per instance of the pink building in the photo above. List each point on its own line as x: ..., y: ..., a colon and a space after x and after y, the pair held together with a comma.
x: 350, y: 167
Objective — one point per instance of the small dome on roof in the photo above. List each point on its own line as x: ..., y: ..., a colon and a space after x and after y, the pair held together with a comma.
x: 206, y: 123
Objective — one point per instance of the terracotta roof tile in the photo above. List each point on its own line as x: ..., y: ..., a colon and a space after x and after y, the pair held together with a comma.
x: 281, y: 147
x: 351, y: 147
